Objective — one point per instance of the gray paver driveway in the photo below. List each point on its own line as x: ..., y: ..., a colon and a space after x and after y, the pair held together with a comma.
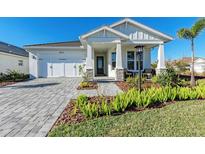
x: 31, y: 108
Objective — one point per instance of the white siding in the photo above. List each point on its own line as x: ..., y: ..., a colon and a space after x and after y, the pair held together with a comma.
x: 46, y: 59
x: 33, y: 65
x: 147, y: 59
x: 134, y: 32
x: 111, y: 72
x: 103, y: 36
x: 10, y: 61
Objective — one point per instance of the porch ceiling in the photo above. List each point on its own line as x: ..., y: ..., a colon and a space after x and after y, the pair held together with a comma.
x: 145, y: 45
x: 103, y: 46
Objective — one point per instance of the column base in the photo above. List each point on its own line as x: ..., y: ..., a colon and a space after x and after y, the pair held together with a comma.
x: 120, y: 75
x: 160, y: 70
x: 89, y: 74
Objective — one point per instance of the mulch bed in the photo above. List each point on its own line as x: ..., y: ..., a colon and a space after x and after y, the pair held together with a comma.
x: 68, y: 116
x: 2, y: 84
x: 92, y: 85
x: 124, y: 86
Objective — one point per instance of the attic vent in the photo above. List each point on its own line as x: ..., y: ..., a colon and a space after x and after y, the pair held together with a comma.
x: 61, y: 52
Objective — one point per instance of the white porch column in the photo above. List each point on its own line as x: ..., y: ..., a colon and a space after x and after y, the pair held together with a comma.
x: 89, y: 58
x: 89, y: 62
x: 119, y: 68
x: 161, y: 59
x: 119, y: 56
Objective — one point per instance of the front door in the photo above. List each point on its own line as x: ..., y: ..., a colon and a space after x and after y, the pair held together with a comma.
x: 100, y: 65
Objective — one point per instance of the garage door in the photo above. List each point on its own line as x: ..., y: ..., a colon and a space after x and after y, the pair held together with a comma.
x: 59, y: 68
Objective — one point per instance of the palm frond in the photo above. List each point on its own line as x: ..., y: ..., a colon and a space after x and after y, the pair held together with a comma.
x: 198, y: 27
x: 185, y: 33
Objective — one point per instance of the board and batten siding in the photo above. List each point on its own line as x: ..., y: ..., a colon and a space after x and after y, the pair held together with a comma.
x: 135, y: 33
x: 11, y: 62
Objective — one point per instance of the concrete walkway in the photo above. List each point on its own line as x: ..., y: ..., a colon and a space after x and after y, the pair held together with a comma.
x: 105, y: 88
x: 31, y: 108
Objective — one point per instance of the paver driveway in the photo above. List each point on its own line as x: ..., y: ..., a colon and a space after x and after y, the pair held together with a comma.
x: 31, y: 108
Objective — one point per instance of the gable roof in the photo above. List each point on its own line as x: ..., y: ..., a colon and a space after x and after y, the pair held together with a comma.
x: 11, y: 49
x: 105, y: 28
x: 144, y: 27
x: 58, y: 44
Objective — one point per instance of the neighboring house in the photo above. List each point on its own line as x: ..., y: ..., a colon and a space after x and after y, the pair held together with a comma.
x: 199, y: 63
x: 13, y: 58
x: 105, y: 51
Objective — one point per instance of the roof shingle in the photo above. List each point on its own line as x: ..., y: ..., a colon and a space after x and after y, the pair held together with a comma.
x: 59, y: 44
x: 11, y: 49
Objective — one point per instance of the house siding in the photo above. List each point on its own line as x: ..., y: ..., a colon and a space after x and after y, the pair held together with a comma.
x: 135, y: 33
x: 77, y: 57
x: 11, y: 62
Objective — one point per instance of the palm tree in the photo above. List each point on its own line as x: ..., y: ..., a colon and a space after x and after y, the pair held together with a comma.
x: 191, y: 34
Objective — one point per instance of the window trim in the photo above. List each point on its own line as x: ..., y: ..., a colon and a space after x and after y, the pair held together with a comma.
x: 113, y: 68
x: 135, y: 61
x: 20, y: 62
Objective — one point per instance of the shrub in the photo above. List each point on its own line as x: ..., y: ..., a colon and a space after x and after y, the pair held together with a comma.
x: 84, y: 84
x: 117, y: 103
x: 81, y: 101
x: 201, y: 82
x: 133, y: 81
x: 154, y: 79
x: 83, y: 73
x: 168, y: 78
x: 12, y: 75
x: 3, y: 77
x: 105, y: 108
x: 135, y: 98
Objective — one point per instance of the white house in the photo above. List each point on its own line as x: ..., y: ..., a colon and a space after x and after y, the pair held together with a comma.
x: 199, y: 65
x: 13, y: 58
x: 105, y: 51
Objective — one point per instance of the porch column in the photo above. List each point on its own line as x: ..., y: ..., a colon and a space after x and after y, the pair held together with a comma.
x: 89, y: 62
x: 161, y: 59
x: 119, y: 69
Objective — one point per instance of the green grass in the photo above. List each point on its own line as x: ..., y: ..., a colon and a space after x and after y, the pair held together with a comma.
x: 186, y: 118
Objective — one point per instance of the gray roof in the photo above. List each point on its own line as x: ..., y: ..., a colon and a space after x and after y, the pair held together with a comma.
x: 58, y: 44
x: 11, y: 49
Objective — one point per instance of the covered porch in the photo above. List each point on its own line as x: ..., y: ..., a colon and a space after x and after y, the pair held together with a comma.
x: 111, y: 49
x: 110, y: 60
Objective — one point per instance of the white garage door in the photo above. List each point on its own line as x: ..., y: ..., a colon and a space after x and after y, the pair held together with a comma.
x: 56, y: 66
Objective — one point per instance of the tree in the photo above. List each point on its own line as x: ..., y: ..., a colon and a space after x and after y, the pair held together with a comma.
x: 181, y: 66
x: 191, y: 34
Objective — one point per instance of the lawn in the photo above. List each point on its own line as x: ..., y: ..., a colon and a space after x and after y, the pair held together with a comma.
x: 183, y: 118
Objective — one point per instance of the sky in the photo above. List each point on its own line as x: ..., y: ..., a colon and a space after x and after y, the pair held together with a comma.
x: 24, y: 31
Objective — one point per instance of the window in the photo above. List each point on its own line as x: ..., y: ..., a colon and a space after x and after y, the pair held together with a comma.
x: 137, y: 61
x: 20, y: 62
x: 33, y: 57
x: 113, y: 60
x: 130, y: 60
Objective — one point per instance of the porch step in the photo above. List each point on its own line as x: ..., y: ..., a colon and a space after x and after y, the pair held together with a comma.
x: 104, y: 79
